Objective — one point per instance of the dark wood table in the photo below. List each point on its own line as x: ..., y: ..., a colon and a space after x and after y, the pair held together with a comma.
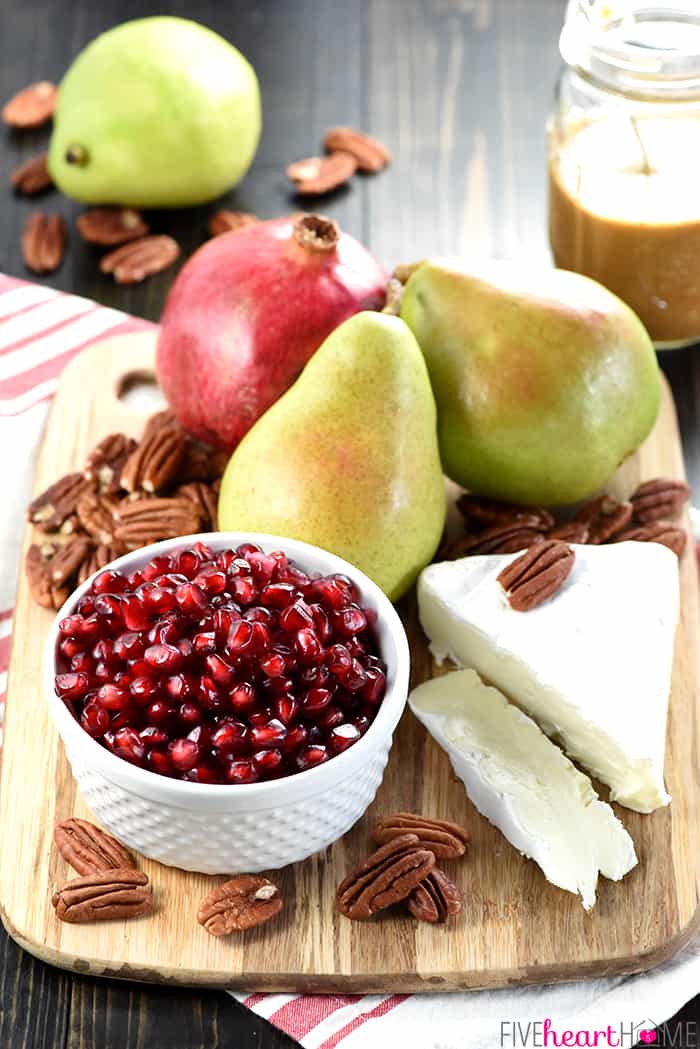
x: 460, y: 90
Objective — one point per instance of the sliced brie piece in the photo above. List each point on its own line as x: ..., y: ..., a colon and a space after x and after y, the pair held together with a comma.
x: 592, y: 665
x: 524, y: 784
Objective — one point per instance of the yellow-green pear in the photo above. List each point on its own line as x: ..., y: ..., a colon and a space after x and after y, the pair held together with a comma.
x: 347, y: 458
x: 544, y: 380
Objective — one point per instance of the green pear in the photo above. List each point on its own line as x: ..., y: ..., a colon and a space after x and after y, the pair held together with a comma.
x: 158, y: 112
x: 347, y: 458
x: 544, y: 380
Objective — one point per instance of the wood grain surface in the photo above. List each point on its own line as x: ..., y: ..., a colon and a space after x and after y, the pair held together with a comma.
x: 511, y: 930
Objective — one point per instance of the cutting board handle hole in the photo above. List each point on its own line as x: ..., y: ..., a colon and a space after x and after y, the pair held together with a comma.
x: 139, y: 390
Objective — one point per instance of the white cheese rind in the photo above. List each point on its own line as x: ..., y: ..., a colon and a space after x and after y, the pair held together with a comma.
x: 524, y: 784
x: 592, y: 665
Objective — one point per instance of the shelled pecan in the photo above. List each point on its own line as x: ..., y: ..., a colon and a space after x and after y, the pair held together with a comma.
x: 436, y: 898
x: 537, y: 574
x: 204, y: 498
x: 317, y: 175
x: 110, y: 226
x: 224, y: 221
x: 141, y: 258
x: 481, y: 513
x: 67, y: 561
x: 499, y: 539
x: 669, y: 535
x: 243, y: 902
x: 43, y: 242
x: 145, y: 521
x: 88, y: 848
x: 103, y: 895
x: 447, y: 841
x: 659, y: 499
x: 37, y: 566
x: 605, y: 517
x: 59, y: 501
x: 370, y: 154
x: 386, y: 877
x: 155, y: 462
x: 32, y: 176
x: 32, y: 106
x: 570, y: 532
x: 105, y: 462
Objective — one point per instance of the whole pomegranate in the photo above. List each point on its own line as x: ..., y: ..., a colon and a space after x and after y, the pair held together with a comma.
x: 248, y: 311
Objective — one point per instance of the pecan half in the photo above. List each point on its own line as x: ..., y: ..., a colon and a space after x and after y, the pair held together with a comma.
x: 96, y: 516
x: 144, y: 521
x: 141, y: 258
x: 605, y: 517
x: 371, y: 154
x: 58, y: 502
x: 436, y: 899
x: 317, y: 175
x: 669, y: 535
x: 533, y: 577
x: 241, y: 903
x: 43, y: 242
x: 32, y: 106
x: 89, y: 848
x: 99, y: 556
x: 66, y: 562
x: 111, y: 225
x: 32, y: 176
x: 445, y: 840
x: 204, y: 498
x: 224, y: 221
x: 500, y: 539
x: 570, y: 532
x: 154, y: 463
x: 106, y: 461
x: 202, y: 463
x: 102, y: 895
x: 388, y: 876
x: 660, y: 498
x: 37, y: 566
x: 480, y: 512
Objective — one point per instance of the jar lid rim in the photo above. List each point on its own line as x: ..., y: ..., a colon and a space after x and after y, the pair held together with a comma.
x: 649, y: 50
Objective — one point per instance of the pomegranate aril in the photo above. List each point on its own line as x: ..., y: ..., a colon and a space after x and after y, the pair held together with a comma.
x: 268, y: 762
x: 354, y: 677
x: 204, y: 642
x: 201, y: 735
x: 314, y: 676
x: 72, y: 686
x: 261, y: 565
x: 297, y: 737
x: 143, y: 690
x: 139, y: 668
x: 361, y: 723
x: 261, y: 716
x: 342, y: 736
x: 153, y: 736
x: 330, y: 717
x: 230, y: 737
x: 201, y: 774
x: 374, y: 687
x: 316, y: 700
x: 134, y: 614
x: 160, y: 565
x: 190, y: 714
x: 82, y: 628
x: 211, y: 580
x: 295, y: 577
x: 191, y: 598
x: 83, y: 663
x: 113, y: 698
x: 277, y: 686
x: 129, y: 646
x: 94, y: 719
x: 224, y: 618
x: 322, y: 623
x: 208, y: 695
x: 241, y: 772
x: 348, y: 621
x: 277, y: 595
x: 159, y: 761
x: 184, y: 754
x: 167, y: 631
x: 187, y: 562
x: 70, y: 646
x: 243, y: 590
x: 286, y: 708
x: 242, y: 699
x: 109, y: 582
x: 240, y: 638
x: 346, y: 584
x: 126, y: 743
x: 224, y: 559
x: 307, y: 646
x: 134, y: 580
x: 218, y: 669
x: 104, y: 650
x: 185, y: 648
x: 164, y: 658
x: 205, y: 552
x: 158, y: 601
x: 159, y: 712
x: 337, y: 659
x: 180, y: 686
x: 312, y: 756
x: 273, y: 665
x: 269, y: 735
x: 296, y: 616
x: 103, y: 671
x: 329, y: 593
x: 244, y: 549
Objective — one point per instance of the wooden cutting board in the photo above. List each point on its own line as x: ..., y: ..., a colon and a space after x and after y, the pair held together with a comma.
x: 516, y: 928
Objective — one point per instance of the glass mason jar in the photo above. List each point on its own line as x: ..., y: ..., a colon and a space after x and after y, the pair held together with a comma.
x: 624, y: 158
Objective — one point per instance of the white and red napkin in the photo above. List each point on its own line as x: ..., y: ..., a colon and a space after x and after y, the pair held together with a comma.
x: 40, y: 330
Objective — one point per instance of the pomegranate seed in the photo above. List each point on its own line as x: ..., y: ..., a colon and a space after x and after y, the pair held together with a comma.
x: 286, y: 708
x: 260, y: 717
x: 153, y: 736
x: 338, y: 659
x: 295, y: 577
x: 201, y: 774
x: 82, y: 628
x: 167, y: 631
x: 81, y: 662
x: 316, y: 700
x: 109, y: 582
x: 273, y: 665
x: 349, y: 621
x: 269, y: 735
x: 143, y: 690
x: 208, y: 695
x: 321, y: 622
x: 217, y: 668
x: 315, y: 677
x: 201, y: 735
x: 94, y: 719
x: 103, y: 672
x: 157, y: 601
x: 330, y: 717
x: 244, y: 549
x: 129, y: 646
x: 159, y: 761
x: 354, y: 677
x: 190, y: 714
x: 187, y: 563
x: 343, y: 736
x: 204, y: 642
x: 297, y: 737
x: 346, y: 584
x: 224, y: 618
x: 277, y: 686
x: 243, y: 590
x: 127, y: 744
x: 186, y: 649
x: 111, y: 697
x: 134, y: 614
x: 240, y: 638
x: 70, y: 646
x: 258, y: 614
x: 260, y: 638
x: 261, y: 565
x: 374, y: 687
x: 307, y: 646
x: 242, y: 698
x: 104, y: 651
x: 277, y: 595
x: 163, y: 657
x: 159, y: 712
x: 211, y: 580
x: 230, y: 737
x: 329, y: 593
x: 180, y: 686
x: 312, y: 756
x: 224, y: 559
x: 86, y: 605
x: 361, y: 723
x: 160, y: 565
x: 72, y: 686
x: 205, y: 552
x: 268, y: 762
x: 241, y: 772
x: 184, y: 754
x: 296, y: 616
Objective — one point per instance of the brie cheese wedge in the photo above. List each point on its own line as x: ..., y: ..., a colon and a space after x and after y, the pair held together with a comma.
x: 592, y: 665
x: 524, y: 784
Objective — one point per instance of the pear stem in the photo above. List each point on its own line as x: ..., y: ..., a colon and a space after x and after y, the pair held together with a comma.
x: 394, y: 294
x: 316, y: 233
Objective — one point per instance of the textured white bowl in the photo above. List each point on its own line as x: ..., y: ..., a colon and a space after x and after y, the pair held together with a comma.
x: 217, y: 829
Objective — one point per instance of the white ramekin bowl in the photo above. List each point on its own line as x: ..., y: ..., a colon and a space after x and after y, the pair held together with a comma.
x: 248, y: 827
